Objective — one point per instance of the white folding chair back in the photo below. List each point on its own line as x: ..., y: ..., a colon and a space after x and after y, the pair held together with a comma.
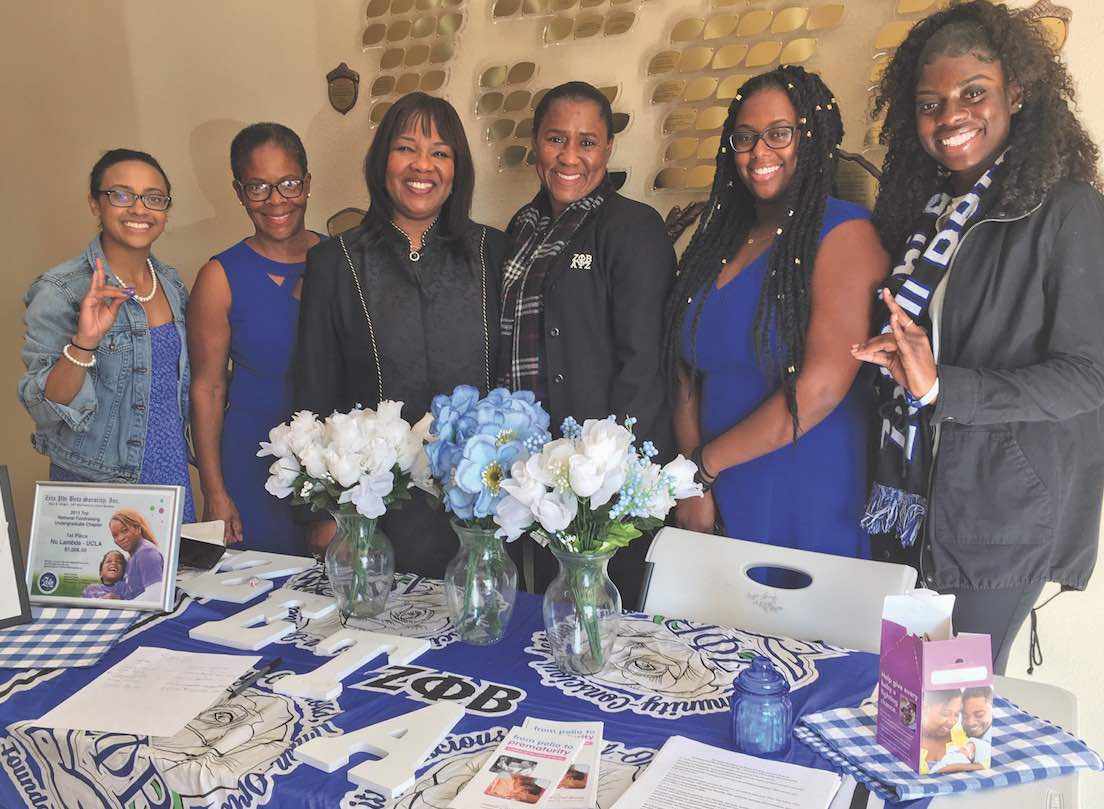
x: 1054, y: 704
x: 705, y: 577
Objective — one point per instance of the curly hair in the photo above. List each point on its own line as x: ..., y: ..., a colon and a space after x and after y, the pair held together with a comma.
x: 1046, y: 142
x: 782, y: 313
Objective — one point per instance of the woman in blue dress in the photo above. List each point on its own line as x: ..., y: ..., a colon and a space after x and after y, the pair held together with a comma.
x: 107, y: 373
x: 244, y: 309
x: 776, y: 283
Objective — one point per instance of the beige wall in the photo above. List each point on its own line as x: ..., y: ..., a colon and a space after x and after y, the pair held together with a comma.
x: 180, y: 78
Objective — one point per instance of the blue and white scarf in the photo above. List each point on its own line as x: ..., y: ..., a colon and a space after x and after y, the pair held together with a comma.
x: 902, y: 463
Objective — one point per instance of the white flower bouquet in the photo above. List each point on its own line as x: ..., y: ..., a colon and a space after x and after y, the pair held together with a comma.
x: 356, y: 465
x: 589, y: 493
x: 592, y: 491
x: 357, y: 462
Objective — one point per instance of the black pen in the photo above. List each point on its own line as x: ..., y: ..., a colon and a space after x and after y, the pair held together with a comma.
x: 256, y: 675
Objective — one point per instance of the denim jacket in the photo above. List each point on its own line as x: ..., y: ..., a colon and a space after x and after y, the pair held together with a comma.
x: 101, y: 433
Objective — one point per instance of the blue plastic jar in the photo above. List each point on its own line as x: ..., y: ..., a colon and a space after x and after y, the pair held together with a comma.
x: 761, y: 711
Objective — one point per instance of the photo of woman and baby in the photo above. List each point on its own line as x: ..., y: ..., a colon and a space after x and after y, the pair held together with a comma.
x: 127, y: 573
x: 956, y: 730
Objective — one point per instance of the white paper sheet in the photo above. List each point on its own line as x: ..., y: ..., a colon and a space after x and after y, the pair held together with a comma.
x: 691, y: 775
x: 152, y: 692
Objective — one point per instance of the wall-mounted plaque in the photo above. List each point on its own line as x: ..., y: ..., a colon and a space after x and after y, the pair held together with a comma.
x: 343, y: 86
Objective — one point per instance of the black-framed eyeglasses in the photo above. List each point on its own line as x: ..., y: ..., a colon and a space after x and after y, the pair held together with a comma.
x: 124, y: 199
x: 777, y: 137
x: 289, y: 188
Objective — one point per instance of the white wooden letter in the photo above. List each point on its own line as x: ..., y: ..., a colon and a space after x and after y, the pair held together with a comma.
x: 259, y: 625
x: 244, y: 576
x: 353, y: 648
x: 403, y: 744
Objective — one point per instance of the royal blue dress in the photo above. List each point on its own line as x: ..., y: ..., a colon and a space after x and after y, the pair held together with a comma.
x: 263, y: 320
x: 809, y: 495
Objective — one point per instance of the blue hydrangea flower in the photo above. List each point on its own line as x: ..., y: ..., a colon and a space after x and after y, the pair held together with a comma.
x: 485, y: 463
x: 452, y: 414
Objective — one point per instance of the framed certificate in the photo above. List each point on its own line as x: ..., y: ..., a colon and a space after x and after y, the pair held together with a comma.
x: 14, y: 606
x: 105, y: 545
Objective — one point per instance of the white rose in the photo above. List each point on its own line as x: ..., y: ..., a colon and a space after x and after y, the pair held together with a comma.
x: 556, y: 510
x: 305, y: 431
x: 513, y: 517
x: 367, y: 495
x: 282, y: 475
x: 412, y: 453
x: 608, y: 449
x: 342, y: 434
x: 681, y: 473
x: 278, y: 443
x: 313, y: 460
x: 551, y: 465
x: 379, y: 456
x: 522, y: 486
x: 345, y: 469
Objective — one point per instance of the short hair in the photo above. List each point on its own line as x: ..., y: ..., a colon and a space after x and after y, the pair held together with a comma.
x: 132, y: 518
x: 426, y: 111
x: 259, y: 134
x: 114, y: 156
x: 975, y: 691
x: 574, y: 91
x: 117, y: 553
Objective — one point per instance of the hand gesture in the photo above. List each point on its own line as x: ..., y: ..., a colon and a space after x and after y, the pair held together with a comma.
x: 98, y: 308
x: 697, y: 513
x: 904, y: 351
x: 222, y: 507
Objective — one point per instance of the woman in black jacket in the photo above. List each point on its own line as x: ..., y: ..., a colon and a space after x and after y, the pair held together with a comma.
x: 583, y: 294
x: 405, y: 305
x: 990, y: 467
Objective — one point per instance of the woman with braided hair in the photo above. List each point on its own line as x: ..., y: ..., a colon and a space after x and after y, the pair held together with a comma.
x: 775, y: 284
x: 990, y: 468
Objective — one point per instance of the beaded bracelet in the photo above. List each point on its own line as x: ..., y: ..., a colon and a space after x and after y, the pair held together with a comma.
x: 74, y: 360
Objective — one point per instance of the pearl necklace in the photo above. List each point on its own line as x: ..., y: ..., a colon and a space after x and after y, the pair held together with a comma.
x: 153, y: 291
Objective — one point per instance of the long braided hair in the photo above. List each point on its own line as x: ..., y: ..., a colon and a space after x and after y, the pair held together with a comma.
x: 1046, y: 142
x: 782, y: 314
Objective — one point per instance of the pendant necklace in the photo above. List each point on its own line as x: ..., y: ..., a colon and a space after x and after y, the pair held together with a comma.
x: 415, y: 255
x: 153, y: 290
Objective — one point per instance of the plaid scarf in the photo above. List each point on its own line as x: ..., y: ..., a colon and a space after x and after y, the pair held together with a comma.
x: 538, y: 238
x: 903, y: 460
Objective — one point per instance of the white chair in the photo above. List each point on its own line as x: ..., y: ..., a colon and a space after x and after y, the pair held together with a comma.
x: 704, y: 577
x: 1054, y: 704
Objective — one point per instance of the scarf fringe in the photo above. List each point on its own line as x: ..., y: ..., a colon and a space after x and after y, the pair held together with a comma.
x: 894, y: 511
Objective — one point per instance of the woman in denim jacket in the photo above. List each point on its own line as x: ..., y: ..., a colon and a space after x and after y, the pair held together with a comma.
x: 107, y: 373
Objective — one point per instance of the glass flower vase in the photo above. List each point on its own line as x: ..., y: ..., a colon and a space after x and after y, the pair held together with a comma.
x: 480, y: 586
x: 582, y: 612
x: 360, y: 564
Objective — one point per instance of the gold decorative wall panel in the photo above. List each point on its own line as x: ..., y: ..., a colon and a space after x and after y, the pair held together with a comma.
x: 669, y: 67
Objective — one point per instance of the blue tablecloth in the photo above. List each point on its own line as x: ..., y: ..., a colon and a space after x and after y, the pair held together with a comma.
x: 668, y: 676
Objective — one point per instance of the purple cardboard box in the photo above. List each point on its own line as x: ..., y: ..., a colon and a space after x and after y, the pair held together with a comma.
x: 935, y: 700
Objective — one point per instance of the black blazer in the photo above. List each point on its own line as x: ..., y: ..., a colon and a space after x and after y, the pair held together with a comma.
x: 604, y: 301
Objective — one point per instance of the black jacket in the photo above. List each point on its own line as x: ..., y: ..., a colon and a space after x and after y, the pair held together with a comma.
x: 434, y: 326
x: 603, y: 325
x: 603, y: 345
x: 1015, y: 492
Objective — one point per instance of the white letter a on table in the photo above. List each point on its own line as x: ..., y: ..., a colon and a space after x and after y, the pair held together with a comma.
x: 402, y: 743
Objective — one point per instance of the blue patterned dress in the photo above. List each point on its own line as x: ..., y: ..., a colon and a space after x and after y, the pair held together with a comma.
x: 165, y: 459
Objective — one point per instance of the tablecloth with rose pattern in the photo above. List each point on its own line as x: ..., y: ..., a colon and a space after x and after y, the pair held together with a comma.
x: 667, y: 676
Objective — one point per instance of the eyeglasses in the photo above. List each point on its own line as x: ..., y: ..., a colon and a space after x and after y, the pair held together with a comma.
x: 289, y: 188
x: 124, y: 199
x: 777, y: 137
